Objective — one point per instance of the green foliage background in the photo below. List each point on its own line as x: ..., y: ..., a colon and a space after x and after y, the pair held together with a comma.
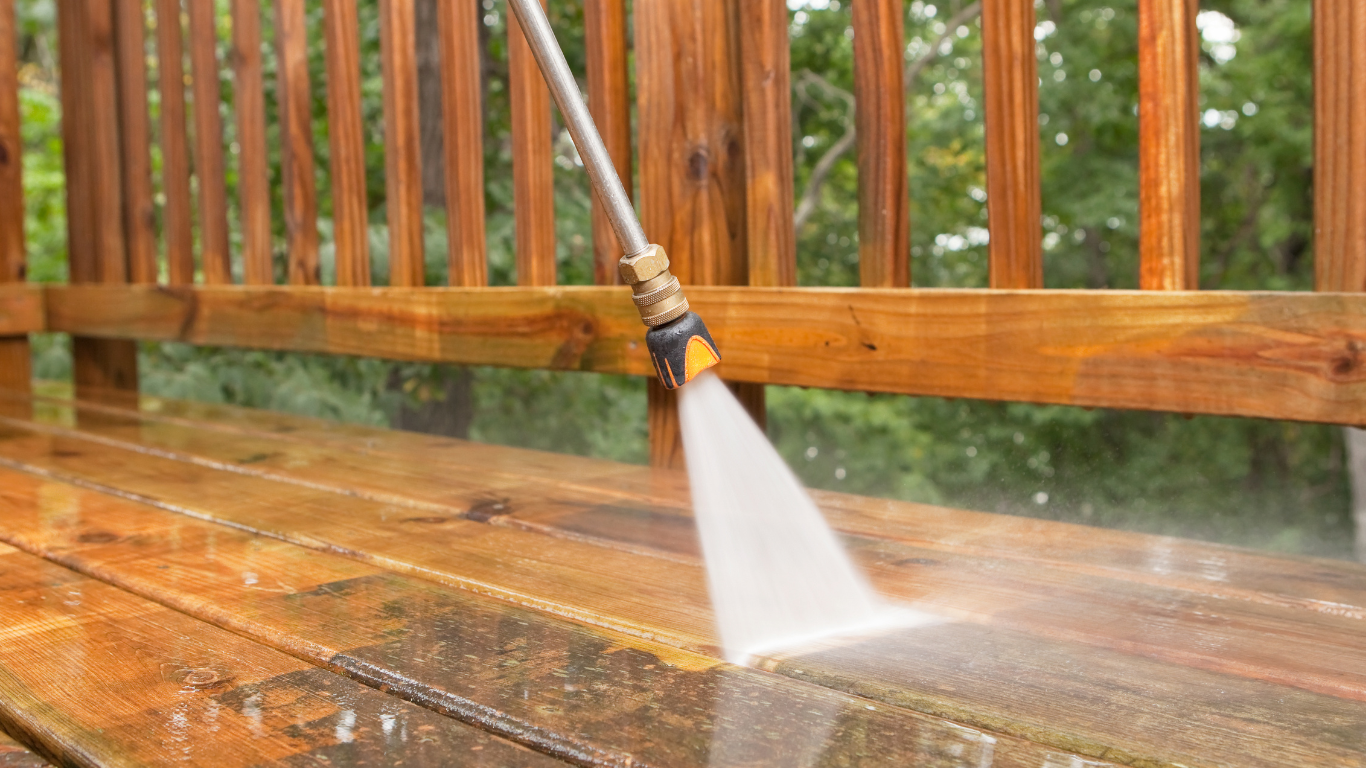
x: 1266, y: 484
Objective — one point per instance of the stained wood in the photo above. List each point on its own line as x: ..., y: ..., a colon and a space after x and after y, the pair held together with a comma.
x: 296, y: 142
x: 533, y: 177
x: 665, y: 431
x: 402, y: 144
x: 175, y: 152
x: 648, y: 501
x: 346, y: 144
x: 15, y: 755
x: 462, y: 110
x: 214, y: 257
x: 884, y: 219
x: 183, y: 691
x: 766, y: 63
x: 139, y: 212
x: 1274, y: 355
x: 609, y: 101
x: 1180, y: 706
x: 572, y: 691
x: 1011, y: 113
x: 15, y: 367
x: 1005, y: 591
x: 1339, y: 145
x: 253, y: 171
x: 21, y: 308
x: 74, y: 84
x: 1168, y: 145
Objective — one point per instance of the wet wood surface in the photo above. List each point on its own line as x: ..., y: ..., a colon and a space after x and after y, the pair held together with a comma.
x: 1274, y: 355
x: 16, y: 755
x: 586, y: 695
x: 97, y: 676
x: 1166, y: 633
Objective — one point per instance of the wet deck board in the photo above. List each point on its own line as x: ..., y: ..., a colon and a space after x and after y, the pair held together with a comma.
x: 1159, y: 670
x: 586, y: 695
x: 1258, y: 640
x: 16, y: 755
x: 96, y: 676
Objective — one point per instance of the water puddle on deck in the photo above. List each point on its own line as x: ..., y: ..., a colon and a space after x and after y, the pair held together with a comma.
x: 778, y: 576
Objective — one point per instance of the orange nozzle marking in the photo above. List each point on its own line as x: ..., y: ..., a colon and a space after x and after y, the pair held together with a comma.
x: 698, y: 358
x: 670, y: 368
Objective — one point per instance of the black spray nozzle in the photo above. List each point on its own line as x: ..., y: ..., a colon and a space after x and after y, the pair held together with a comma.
x: 681, y: 349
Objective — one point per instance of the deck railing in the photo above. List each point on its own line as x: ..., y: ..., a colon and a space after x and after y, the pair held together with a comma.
x: 716, y: 190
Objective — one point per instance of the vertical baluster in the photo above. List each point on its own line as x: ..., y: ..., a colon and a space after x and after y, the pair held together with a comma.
x: 1339, y: 145
x: 767, y: 74
x: 1012, y: 143
x: 15, y: 371
x: 533, y: 179
x: 402, y: 142
x: 215, y: 258
x: 346, y: 141
x: 609, y: 101
x: 1168, y: 145
x: 175, y: 153
x: 463, y: 118
x: 296, y: 142
x: 139, y: 211
x: 884, y: 219
x: 253, y: 171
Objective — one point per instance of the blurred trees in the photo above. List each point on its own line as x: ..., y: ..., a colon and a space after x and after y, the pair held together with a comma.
x: 1271, y: 484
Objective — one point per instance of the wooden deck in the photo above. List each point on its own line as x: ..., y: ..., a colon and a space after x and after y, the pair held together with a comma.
x: 193, y: 583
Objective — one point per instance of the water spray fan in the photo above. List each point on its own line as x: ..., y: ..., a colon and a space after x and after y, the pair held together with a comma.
x: 679, y: 344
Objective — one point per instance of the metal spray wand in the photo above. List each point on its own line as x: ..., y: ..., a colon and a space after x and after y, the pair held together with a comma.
x: 677, y: 339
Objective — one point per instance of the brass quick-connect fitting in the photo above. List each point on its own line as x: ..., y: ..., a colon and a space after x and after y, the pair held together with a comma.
x: 657, y: 294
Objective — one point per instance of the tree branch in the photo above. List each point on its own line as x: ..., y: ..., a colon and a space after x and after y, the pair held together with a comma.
x: 811, y: 195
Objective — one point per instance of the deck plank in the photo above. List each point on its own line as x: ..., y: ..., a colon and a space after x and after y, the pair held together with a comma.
x: 1327, y: 586
x: 592, y: 696
x: 98, y: 676
x: 1258, y: 640
x: 664, y: 600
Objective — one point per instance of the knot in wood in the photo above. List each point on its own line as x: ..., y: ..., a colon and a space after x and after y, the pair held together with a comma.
x: 204, y: 677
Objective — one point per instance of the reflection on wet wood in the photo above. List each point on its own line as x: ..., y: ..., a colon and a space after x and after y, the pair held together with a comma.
x: 100, y: 677
x: 1255, y: 640
x: 591, y: 696
x: 15, y: 755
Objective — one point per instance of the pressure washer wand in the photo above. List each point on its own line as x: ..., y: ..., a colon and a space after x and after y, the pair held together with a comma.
x: 677, y: 339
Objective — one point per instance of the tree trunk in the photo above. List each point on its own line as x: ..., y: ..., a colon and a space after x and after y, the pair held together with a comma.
x: 1356, y: 476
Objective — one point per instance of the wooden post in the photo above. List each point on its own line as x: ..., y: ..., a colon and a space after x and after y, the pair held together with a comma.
x: 139, y: 213
x: 102, y: 368
x: 345, y: 136
x: 767, y: 75
x: 1168, y: 145
x: 533, y: 179
x: 463, y: 118
x: 253, y: 167
x: 1012, y: 127
x: 402, y: 142
x: 884, y: 218
x: 690, y: 108
x: 609, y: 100
x: 210, y: 170
x: 175, y: 147
x: 296, y: 142
x: 15, y: 367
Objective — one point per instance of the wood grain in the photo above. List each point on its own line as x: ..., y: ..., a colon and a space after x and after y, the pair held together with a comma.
x: 1339, y: 145
x: 1270, y: 355
x: 183, y: 691
x: 1011, y: 113
x: 766, y: 62
x: 1312, y: 584
x: 609, y: 101
x: 296, y: 142
x: 462, y: 110
x: 1182, y: 707
x: 1261, y: 639
x: 576, y: 692
x: 533, y: 172
x: 1168, y: 145
x: 16, y: 304
x: 346, y: 144
x: 175, y: 153
x: 402, y: 143
x: 253, y: 166
x: 884, y: 219
x: 215, y: 258
x: 21, y: 309
x: 139, y: 212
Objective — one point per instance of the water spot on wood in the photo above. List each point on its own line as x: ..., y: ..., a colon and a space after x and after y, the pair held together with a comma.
x: 486, y: 510
x: 97, y: 537
x: 916, y: 561
x: 432, y: 520
x: 205, y: 678
x: 257, y: 457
